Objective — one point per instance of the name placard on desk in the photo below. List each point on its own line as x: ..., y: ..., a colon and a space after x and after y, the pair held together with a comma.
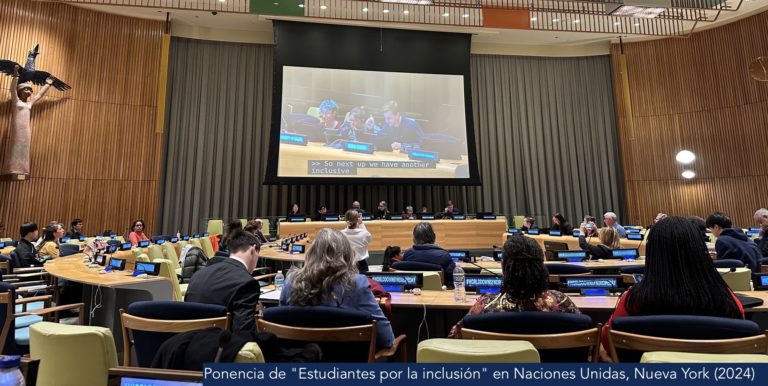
x: 357, y: 147
x: 293, y: 139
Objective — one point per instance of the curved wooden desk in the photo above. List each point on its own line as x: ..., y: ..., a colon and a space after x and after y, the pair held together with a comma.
x: 270, y: 252
x: 603, y: 265
x: 573, y: 242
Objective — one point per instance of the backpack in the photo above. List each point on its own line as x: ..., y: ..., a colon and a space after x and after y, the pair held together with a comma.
x: 192, y: 260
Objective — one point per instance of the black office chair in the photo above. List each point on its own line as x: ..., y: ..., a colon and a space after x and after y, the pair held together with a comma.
x: 114, y: 242
x: 764, y: 261
x: 558, y: 336
x: 566, y: 269
x: 68, y: 249
x: 729, y: 263
x: 630, y: 336
x: 632, y: 269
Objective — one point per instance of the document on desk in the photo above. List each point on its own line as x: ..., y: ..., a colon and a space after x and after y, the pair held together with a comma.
x: 270, y: 294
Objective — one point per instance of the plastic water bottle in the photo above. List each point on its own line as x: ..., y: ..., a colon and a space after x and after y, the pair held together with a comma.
x: 10, y: 375
x: 279, y: 279
x: 459, y: 294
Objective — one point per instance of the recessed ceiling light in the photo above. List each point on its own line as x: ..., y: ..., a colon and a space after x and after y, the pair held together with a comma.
x: 533, y: 18
x: 466, y: 15
x: 636, y: 24
x: 365, y: 9
x: 323, y: 7
x: 685, y: 157
x: 385, y: 11
x: 689, y: 174
x: 301, y: 5
x: 446, y: 14
x: 577, y: 21
x: 406, y: 12
x: 617, y: 23
x: 275, y: 3
x: 555, y: 20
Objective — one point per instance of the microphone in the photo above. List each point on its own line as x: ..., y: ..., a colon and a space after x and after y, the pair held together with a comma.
x: 485, y: 269
x: 224, y: 337
x: 730, y: 270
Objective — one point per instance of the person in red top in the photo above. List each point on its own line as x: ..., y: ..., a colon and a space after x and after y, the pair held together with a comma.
x: 137, y: 232
x: 680, y: 278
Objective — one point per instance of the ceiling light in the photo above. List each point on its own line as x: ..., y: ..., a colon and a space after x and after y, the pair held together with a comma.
x: 576, y: 21
x: 385, y: 11
x: 617, y: 23
x: 555, y: 20
x: 301, y: 5
x: 466, y: 15
x: 406, y: 12
x: 636, y: 24
x: 689, y: 174
x: 446, y: 14
x: 275, y: 3
x: 533, y: 18
x: 648, y: 12
x: 685, y: 157
x: 365, y: 9
x: 323, y: 7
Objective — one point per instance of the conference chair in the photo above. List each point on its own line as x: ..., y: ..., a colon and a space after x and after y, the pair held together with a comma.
x: 630, y: 336
x: 551, y: 246
x: 267, y: 230
x: 72, y: 355
x: 566, y: 269
x: 155, y: 252
x: 441, y: 350
x: 558, y: 336
x: 147, y: 325
x: 215, y: 227
x: 738, y: 279
x: 343, y: 335
x: 68, y: 249
x: 167, y: 271
x: 197, y: 243
x: 6, y: 240
x: 517, y: 221
x: 729, y: 263
x: 433, y: 273
x: 207, y: 246
x: 114, y: 242
x: 244, y: 222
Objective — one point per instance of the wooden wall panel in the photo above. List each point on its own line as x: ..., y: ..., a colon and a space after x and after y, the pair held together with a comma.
x: 695, y: 94
x: 95, y: 153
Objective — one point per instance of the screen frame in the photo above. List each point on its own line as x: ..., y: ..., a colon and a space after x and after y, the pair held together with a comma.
x: 281, y: 59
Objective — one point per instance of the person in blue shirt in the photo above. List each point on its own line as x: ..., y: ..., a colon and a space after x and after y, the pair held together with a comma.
x: 609, y: 218
x: 732, y: 243
x: 329, y: 278
x: 403, y: 133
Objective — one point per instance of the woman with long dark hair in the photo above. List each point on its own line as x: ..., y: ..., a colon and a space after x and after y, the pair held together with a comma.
x: 50, y: 245
x: 525, y: 285
x: 559, y: 223
x: 137, y: 234
x: 392, y: 254
x: 680, y: 278
x: 329, y: 278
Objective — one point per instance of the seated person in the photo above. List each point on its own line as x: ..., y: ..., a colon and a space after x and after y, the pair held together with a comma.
x: 232, y: 228
x: 25, y: 248
x: 408, y: 214
x: 356, y: 207
x: 525, y: 285
x: 392, y: 254
x: 328, y: 110
x: 403, y: 133
x: 732, y: 243
x: 528, y: 224
x: 320, y: 213
x: 381, y: 211
x: 559, y: 223
x: 699, y: 223
x: 450, y: 210
x: 137, y: 233
x: 609, y: 219
x: 49, y: 247
x: 359, y: 121
x: 589, y: 226
x: 255, y: 227
x: 329, y: 278
x: 761, y: 217
x: 425, y: 250
x: 227, y: 281
x: 659, y: 217
x: 676, y: 264
x: 77, y: 228
x: 294, y: 211
x: 609, y: 240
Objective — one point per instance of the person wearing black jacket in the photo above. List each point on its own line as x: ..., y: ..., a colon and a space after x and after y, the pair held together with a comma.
x: 228, y: 281
x: 559, y: 223
x: 25, y: 249
x: 732, y: 243
x: 77, y: 228
x: 609, y: 240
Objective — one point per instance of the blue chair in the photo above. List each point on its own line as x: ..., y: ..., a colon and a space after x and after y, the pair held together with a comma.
x: 68, y: 249
x: 633, y: 269
x: 300, y: 325
x: 559, y: 336
x: 630, y: 336
x: 729, y: 263
x: 147, y: 325
x: 566, y: 269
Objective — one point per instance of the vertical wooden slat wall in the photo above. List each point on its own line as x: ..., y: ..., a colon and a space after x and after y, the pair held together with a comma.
x: 95, y: 153
x: 696, y: 94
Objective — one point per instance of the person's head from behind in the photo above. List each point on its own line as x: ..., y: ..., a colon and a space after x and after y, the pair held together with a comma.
x: 352, y: 218
x: 522, y: 266
x: 717, y: 222
x: 391, y: 113
x: 423, y: 234
x: 680, y: 277
x: 234, y: 225
x: 659, y: 217
x: 609, y: 218
x: 329, y: 262
x: 609, y: 237
x: 28, y: 231
x: 559, y: 219
x: 138, y: 226
x: 53, y: 231
x: 328, y: 109
x: 77, y: 225
x: 392, y: 251
x: 245, y: 246
x: 529, y: 222
x: 761, y: 218
x: 295, y: 208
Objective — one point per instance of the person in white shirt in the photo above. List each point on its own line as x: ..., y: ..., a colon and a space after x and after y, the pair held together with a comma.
x: 358, y: 237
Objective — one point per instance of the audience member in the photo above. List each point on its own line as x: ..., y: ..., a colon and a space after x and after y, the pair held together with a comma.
x: 528, y: 224
x: 609, y: 240
x: 232, y: 228
x: 358, y: 237
x: 589, y: 225
x: 559, y: 223
x: 255, y: 227
x: 228, y: 281
x: 525, y: 286
x: 732, y: 243
x: 137, y: 232
x: 328, y: 111
x: 320, y: 213
x: 329, y: 278
x: 25, y: 249
x: 49, y: 248
x: 392, y: 254
x: 700, y: 224
x: 659, y: 217
x: 381, y: 211
x: 761, y: 217
x: 425, y: 250
x: 609, y: 219
x: 76, y: 230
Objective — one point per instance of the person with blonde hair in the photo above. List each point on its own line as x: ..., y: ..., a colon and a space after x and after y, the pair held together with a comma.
x: 329, y: 278
x: 358, y: 237
x: 609, y: 240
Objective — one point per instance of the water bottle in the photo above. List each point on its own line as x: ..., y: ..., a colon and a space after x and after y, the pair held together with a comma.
x: 10, y: 375
x: 279, y: 280
x: 459, y: 294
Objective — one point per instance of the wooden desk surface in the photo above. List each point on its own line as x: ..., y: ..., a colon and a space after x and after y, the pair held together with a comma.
x: 451, y: 234
x: 605, y: 264
x: 6, y: 250
x: 75, y: 268
x: 573, y: 242
x: 295, y: 162
x: 270, y: 253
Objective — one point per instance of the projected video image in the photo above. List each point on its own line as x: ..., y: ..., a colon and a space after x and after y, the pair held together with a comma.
x: 352, y: 124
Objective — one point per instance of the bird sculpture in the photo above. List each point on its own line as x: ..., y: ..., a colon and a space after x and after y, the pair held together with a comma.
x: 28, y: 73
